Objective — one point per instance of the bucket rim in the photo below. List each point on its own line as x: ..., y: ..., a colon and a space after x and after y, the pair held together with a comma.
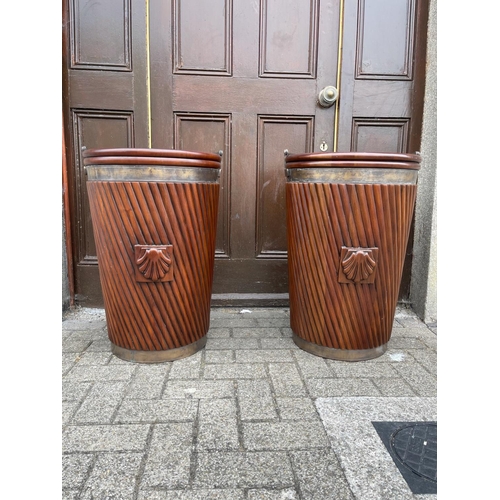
x: 353, y: 159
x: 150, y: 153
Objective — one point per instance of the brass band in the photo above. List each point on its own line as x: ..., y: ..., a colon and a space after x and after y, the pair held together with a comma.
x: 339, y: 354
x: 158, y: 356
x: 151, y: 173
x: 352, y: 175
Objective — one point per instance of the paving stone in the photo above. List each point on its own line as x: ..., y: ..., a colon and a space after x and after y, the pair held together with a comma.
x: 172, y: 437
x: 296, y: 409
x: 225, y: 494
x: 312, y: 366
x: 430, y: 340
x: 98, y: 373
x: 90, y: 334
x: 93, y: 438
x: 243, y: 470
x: 420, y: 380
x: 235, y: 371
x: 78, y: 324
x: 362, y: 370
x: 113, y: 476
x: 94, y: 358
x: 166, y: 470
x: 287, y: 435
x: 148, y: 381
x: 397, y: 356
x: 218, y: 333
x: 320, y: 475
x: 74, y: 391
x: 427, y: 360
x: 75, y: 469
x: 68, y: 361
x: 233, y: 322
x: 224, y: 312
x: 100, y: 345
x: 199, y: 389
x: 401, y: 342
x: 68, y: 410
x: 76, y: 346
x: 319, y: 388
x: 410, y: 321
x: 147, y: 494
x: 70, y: 495
x: 214, y: 357
x: 263, y: 356
x: 142, y: 411
x: 286, y: 332
x: 260, y: 312
x: 285, y: 494
x: 233, y: 344
x: 189, y: 367
x: 274, y: 322
x: 100, y: 403
x: 278, y: 343
x: 256, y: 333
x: 393, y: 387
x: 286, y: 380
x: 256, y: 401
x: 217, y: 425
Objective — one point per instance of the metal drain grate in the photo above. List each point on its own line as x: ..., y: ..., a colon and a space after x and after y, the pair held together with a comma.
x: 413, y: 448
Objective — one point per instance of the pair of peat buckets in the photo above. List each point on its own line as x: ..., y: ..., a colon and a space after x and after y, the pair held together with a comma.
x: 154, y: 214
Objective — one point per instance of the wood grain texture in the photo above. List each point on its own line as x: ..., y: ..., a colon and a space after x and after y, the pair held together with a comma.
x: 321, y: 219
x: 153, y: 316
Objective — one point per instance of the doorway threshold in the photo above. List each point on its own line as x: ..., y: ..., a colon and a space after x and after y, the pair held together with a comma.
x: 250, y: 300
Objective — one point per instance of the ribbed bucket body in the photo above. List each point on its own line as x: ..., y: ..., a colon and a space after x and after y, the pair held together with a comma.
x: 155, y: 243
x: 347, y: 228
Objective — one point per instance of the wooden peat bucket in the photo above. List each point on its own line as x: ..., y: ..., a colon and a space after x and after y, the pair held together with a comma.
x: 154, y: 214
x: 348, y: 220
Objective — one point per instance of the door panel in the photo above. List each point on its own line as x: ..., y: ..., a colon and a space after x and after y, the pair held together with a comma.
x: 377, y: 75
x: 199, y: 132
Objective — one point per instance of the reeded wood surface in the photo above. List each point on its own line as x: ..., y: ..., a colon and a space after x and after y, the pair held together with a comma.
x: 155, y: 315
x: 321, y: 218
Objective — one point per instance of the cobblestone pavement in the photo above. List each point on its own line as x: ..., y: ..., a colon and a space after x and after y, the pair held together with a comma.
x: 249, y: 417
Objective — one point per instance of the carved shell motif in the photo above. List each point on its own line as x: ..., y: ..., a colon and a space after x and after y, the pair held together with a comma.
x: 153, y: 263
x: 358, y: 265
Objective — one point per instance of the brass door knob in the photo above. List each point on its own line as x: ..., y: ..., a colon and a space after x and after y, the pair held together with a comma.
x: 328, y: 96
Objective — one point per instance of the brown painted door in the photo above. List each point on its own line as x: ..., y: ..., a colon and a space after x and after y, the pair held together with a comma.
x: 241, y: 77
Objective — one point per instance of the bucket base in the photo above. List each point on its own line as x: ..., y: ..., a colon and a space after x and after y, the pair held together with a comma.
x: 339, y: 354
x: 158, y: 356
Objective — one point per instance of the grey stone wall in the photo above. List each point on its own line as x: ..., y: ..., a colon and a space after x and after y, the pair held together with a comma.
x: 423, y: 286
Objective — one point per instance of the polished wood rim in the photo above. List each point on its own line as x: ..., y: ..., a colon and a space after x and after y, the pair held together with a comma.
x: 153, y: 160
x: 353, y: 158
x: 146, y: 152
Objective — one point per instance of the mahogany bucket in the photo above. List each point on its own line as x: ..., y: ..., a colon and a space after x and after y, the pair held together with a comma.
x: 348, y: 221
x: 154, y: 216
